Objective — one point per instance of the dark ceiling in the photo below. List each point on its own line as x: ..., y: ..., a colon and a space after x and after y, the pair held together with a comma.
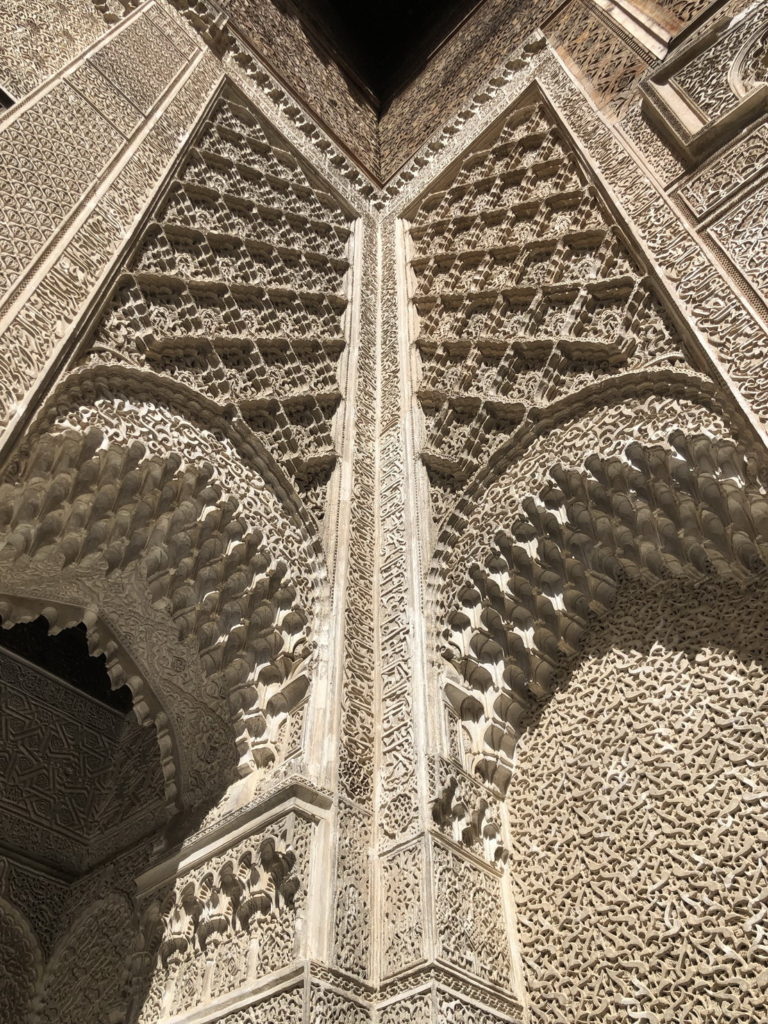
x: 66, y: 655
x: 384, y: 44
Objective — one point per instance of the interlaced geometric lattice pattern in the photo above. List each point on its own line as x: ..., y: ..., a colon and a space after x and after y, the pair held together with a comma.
x: 523, y: 290
x: 237, y: 289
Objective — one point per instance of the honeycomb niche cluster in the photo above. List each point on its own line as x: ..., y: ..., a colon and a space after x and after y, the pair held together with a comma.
x: 383, y: 512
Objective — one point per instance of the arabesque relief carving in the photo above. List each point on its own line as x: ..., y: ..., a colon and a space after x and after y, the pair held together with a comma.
x: 715, y: 86
x: 690, y: 511
x: 635, y: 815
x: 410, y: 535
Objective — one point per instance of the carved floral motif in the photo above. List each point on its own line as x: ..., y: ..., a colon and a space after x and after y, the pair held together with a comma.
x: 230, y: 917
x: 692, y: 512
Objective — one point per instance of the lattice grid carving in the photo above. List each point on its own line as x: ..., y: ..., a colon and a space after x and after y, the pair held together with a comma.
x: 238, y: 290
x: 523, y: 290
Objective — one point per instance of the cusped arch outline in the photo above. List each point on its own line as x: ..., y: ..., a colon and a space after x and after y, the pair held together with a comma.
x: 696, y: 509
x: 107, y: 509
x: 122, y: 668
x: 749, y: 69
x: 84, y: 386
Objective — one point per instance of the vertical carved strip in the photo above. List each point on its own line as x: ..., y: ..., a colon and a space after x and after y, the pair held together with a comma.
x: 398, y: 797
x: 352, y: 917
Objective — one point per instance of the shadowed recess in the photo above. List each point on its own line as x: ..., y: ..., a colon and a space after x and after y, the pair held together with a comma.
x: 382, y: 45
x: 65, y: 654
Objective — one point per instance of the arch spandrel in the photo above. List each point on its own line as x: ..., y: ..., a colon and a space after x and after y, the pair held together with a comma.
x: 236, y: 297
x: 529, y: 299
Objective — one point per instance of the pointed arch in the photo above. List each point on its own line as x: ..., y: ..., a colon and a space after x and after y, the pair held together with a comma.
x: 694, y: 509
x: 116, y: 519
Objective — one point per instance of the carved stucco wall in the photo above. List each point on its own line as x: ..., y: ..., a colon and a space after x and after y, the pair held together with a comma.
x: 86, y: 978
x: 361, y: 862
x: 637, y: 835
x: 40, y: 36
x: 21, y: 963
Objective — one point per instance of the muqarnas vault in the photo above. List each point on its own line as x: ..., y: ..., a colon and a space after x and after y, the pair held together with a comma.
x: 383, y: 516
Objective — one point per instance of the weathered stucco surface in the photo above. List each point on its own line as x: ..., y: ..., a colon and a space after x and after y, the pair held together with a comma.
x: 423, y: 525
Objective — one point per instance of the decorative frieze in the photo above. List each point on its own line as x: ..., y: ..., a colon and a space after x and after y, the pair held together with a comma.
x: 347, y: 483
x: 230, y: 919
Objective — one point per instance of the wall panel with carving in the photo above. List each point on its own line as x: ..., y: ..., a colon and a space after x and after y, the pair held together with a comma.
x: 712, y: 86
x: 217, y: 927
x: 636, y: 815
x: 525, y: 294
x: 239, y: 290
x: 58, y: 241
x: 38, y: 37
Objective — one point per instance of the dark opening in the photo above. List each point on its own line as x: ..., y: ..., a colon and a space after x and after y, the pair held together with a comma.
x: 66, y: 655
x: 383, y: 45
